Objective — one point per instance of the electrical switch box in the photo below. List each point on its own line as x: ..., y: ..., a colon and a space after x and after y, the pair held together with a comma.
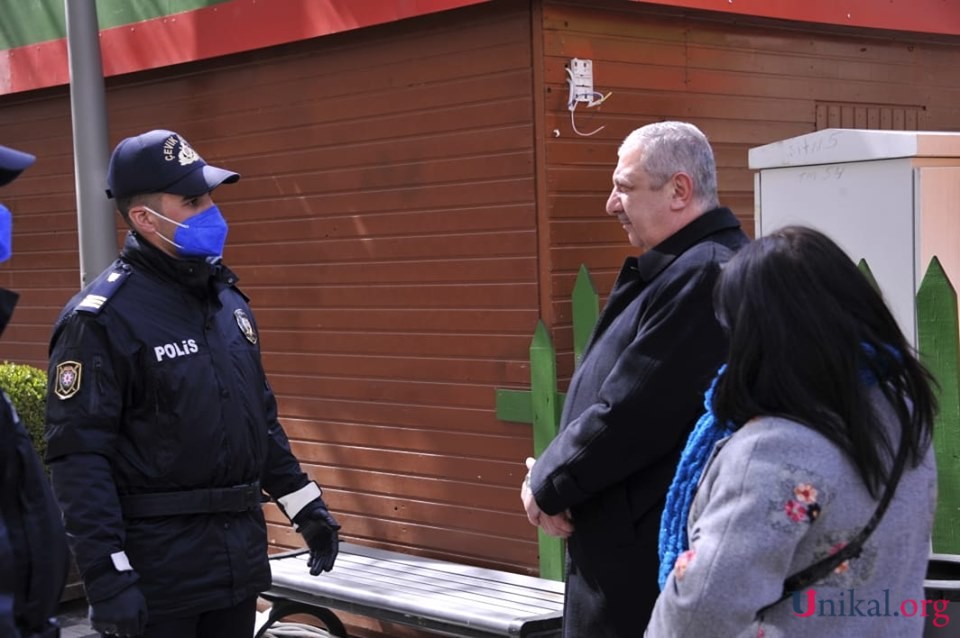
x: 581, y: 80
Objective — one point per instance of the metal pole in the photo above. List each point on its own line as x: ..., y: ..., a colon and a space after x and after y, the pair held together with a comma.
x: 95, y: 215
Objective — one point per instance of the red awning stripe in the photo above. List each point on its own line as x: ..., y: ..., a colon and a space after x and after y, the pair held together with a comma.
x: 222, y: 29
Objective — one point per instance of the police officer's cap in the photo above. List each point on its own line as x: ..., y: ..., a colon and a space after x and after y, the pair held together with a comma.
x: 12, y: 163
x: 161, y: 161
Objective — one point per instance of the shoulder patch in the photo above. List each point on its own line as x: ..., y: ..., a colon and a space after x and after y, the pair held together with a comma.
x: 68, y: 379
x: 245, y: 325
x: 100, y: 291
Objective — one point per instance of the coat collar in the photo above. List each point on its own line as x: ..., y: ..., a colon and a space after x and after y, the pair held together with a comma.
x: 637, y: 272
x: 654, y: 261
x: 195, y: 274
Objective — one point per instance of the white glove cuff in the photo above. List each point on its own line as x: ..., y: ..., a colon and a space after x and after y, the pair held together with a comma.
x: 120, y: 562
x: 293, y: 502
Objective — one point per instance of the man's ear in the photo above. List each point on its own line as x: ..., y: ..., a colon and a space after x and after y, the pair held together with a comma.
x: 682, y: 195
x: 141, y: 220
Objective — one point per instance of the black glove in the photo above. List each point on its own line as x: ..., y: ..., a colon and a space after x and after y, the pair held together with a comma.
x: 319, y: 529
x: 124, y: 614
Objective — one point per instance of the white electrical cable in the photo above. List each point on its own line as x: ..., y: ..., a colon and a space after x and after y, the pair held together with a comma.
x: 573, y: 124
x: 599, y: 95
x: 595, y: 99
x: 571, y: 98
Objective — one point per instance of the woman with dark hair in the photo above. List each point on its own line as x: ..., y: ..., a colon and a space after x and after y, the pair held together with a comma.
x: 812, y: 515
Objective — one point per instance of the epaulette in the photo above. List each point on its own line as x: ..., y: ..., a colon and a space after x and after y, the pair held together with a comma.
x: 100, y: 291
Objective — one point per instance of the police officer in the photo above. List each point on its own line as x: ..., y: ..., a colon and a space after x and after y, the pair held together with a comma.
x: 33, y: 546
x: 161, y: 426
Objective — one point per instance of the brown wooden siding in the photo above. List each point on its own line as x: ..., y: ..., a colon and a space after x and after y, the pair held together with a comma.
x: 44, y: 268
x: 745, y: 83
x: 385, y: 230
x: 867, y: 116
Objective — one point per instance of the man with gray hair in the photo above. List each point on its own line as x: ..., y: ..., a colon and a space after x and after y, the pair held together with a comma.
x: 638, y: 391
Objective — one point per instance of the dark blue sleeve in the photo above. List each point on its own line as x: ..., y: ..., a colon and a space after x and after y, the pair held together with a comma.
x: 281, y: 473
x: 84, y: 397
x: 8, y: 558
x: 83, y: 422
x: 7, y: 627
x: 33, y: 546
x: 88, y: 497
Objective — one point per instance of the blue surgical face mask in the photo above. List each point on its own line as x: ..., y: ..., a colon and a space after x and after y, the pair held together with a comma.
x: 200, y: 235
x: 6, y: 233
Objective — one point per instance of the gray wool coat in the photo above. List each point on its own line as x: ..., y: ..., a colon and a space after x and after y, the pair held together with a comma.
x: 775, y: 498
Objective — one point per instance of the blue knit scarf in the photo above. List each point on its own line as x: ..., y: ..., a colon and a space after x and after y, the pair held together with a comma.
x: 693, y: 459
x: 673, y: 524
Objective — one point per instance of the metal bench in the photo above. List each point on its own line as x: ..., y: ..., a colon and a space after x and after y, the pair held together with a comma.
x: 442, y: 597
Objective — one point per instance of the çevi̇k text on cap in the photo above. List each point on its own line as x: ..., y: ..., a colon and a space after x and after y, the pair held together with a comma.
x: 161, y: 161
x: 12, y: 163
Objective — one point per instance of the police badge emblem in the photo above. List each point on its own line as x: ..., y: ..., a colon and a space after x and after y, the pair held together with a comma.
x: 68, y: 379
x: 246, y: 327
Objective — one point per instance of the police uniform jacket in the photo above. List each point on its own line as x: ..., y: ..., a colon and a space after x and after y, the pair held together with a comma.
x: 631, y: 403
x: 33, y: 545
x: 156, y: 386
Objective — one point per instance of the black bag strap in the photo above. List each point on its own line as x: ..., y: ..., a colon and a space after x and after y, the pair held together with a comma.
x: 821, y: 569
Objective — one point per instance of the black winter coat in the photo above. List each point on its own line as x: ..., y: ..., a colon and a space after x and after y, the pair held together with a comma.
x: 156, y: 385
x: 631, y: 404
x: 33, y: 544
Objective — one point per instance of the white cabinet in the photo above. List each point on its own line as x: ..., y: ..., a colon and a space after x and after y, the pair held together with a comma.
x: 890, y: 197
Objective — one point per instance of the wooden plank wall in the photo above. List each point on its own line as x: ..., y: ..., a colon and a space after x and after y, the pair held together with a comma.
x: 745, y: 83
x: 44, y: 267
x: 385, y: 231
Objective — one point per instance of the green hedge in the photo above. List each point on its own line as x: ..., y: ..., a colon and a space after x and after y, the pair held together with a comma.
x: 27, y: 388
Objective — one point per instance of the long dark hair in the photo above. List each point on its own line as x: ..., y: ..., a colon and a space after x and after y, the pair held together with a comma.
x: 809, y: 337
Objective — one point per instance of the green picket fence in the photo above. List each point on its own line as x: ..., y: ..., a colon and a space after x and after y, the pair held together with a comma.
x: 541, y: 405
x: 939, y: 346
x: 938, y: 336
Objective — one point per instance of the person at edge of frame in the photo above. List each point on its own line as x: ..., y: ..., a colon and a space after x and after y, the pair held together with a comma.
x: 162, y: 428
x: 34, y: 558
x: 636, y: 394
x: 814, y: 503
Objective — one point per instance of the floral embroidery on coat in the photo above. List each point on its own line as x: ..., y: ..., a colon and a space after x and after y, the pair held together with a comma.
x: 803, y: 506
x: 801, y: 498
x: 683, y: 561
x: 805, y: 493
x: 850, y: 572
x: 845, y: 565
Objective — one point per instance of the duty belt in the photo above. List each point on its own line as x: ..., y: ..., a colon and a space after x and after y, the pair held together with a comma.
x: 239, y: 498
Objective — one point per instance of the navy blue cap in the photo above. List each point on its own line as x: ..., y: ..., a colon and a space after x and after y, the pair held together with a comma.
x: 161, y: 161
x: 12, y: 163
